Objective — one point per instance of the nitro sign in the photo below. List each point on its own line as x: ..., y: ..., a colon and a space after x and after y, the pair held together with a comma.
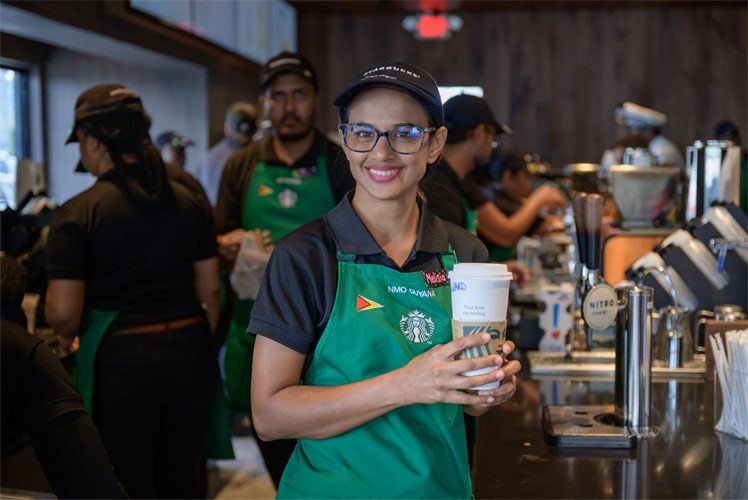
x: 600, y: 307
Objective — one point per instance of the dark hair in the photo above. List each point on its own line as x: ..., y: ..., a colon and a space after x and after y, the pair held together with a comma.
x: 12, y: 288
x: 458, y: 134
x: 727, y: 130
x: 123, y: 132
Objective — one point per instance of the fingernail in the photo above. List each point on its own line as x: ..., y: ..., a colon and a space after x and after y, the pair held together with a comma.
x: 482, y: 393
x: 500, y: 375
x: 486, y: 337
x: 490, y: 399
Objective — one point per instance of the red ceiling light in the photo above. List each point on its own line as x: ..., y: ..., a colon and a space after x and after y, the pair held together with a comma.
x: 435, y: 26
x: 432, y: 26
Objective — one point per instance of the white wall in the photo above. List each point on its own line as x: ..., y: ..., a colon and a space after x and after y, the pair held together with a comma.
x: 175, y: 98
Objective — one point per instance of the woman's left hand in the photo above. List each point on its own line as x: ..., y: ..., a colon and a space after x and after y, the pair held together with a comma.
x: 507, y: 375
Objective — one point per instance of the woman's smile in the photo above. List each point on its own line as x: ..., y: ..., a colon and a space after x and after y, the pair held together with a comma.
x: 382, y: 173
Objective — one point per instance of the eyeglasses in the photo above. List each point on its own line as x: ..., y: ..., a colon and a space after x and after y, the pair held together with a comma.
x: 403, y: 139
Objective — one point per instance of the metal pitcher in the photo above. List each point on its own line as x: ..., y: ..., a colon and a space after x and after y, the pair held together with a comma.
x: 674, y: 339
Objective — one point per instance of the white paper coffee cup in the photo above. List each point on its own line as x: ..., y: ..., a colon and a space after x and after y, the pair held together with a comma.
x: 480, y: 295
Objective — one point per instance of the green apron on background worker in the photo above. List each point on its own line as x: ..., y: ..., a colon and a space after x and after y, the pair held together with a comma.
x: 94, y: 325
x: 417, y: 451
x: 279, y: 200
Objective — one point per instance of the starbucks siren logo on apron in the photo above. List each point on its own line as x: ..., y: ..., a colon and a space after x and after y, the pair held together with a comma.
x: 416, y: 326
x: 287, y: 198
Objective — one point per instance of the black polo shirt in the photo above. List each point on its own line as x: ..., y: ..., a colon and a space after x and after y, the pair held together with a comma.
x: 298, y: 289
x: 237, y: 175
x: 134, y: 258
x: 444, y: 192
x: 40, y: 401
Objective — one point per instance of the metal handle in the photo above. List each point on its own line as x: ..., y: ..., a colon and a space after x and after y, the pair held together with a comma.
x: 720, y: 246
x: 642, y: 273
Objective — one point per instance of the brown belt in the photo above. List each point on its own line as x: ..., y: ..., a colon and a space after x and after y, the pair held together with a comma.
x: 160, y: 327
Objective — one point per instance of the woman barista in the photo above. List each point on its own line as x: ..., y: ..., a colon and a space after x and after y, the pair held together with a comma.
x: 345, y: 308
x: 129, y: 262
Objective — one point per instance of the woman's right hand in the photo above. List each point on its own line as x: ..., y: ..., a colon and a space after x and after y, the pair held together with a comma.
x: 434, y: 376
x: 548, y: 197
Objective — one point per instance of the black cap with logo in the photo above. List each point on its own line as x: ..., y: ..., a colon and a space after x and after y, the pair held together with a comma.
x: 400, y: 74
x: 174, y: 138
x: 465, y: 112
x: 287, y: 62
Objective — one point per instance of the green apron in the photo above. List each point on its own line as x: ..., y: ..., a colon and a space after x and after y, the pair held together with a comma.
x: 501, y: 254
x: 94, y: 325
x: 471, y: 215
x: 381, y: 320
x: 279, y: 199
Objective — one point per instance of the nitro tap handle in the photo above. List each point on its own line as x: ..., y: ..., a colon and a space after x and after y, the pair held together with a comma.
x: 578, y: 204
x: 594, y: 225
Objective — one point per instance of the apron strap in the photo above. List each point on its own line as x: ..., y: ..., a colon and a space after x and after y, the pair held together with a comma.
x: 448, y: 258
x: 346, y: 256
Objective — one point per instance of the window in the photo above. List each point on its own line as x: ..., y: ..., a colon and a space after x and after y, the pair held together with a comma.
x: 14, y: 130
x: 447, y: 92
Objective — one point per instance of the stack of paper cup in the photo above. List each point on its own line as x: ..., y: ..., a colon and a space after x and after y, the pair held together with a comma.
x: 480, y: 295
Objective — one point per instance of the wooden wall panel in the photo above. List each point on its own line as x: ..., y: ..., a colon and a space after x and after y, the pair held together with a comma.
x: 556, y: 75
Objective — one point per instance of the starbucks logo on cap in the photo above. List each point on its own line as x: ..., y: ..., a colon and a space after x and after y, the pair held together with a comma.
x: 417, y: 326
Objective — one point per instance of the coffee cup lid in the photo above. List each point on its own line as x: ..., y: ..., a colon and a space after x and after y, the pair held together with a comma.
x: 481, y: 270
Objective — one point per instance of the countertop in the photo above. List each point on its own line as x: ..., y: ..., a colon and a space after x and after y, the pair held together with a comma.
x: 687, y: 459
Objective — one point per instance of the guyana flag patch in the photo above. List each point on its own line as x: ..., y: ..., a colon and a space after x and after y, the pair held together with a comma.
x: 264, y: 190
x: 364, y: 304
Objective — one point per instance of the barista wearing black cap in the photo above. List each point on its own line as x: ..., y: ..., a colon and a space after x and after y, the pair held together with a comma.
x: 172, y: 146
x: 276, y: 184
x: 129, y: 261
x: 239, y: 127
x: 472, y: 138
x: 354, y: 353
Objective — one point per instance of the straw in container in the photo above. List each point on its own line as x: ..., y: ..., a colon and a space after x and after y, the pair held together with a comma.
x: 731, y: 374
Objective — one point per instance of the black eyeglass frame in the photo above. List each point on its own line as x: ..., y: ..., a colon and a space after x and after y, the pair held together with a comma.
x: 343, y: 128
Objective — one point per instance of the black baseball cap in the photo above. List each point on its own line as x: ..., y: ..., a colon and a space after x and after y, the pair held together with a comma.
x: 174, y: 138
x: 465, y: 112
x: 401, y: 74
x: 287, y: 62
x: 101, y: 100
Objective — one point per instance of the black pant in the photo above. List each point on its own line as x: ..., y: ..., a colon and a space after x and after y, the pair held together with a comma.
x: 275, y: 454
x: 152, y: 399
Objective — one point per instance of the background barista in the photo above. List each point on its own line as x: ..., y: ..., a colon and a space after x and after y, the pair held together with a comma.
x: 172, y: 146
x: 514, y: 184
x: 470, y: 142
x: 239, y: 127
x: 276, y: 184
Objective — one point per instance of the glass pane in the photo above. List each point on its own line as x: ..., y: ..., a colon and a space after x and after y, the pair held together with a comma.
x: 9, y: 135
x: 446, y: 92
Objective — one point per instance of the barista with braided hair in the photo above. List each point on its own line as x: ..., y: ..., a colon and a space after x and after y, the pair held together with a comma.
x: 130, y: 260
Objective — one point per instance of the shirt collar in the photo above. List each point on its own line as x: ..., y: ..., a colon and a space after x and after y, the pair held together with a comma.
x: 318, y: 148
x: 352, y: 237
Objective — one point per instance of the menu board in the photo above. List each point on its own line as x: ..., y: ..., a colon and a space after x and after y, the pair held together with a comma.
x: 214, y: 21
x: 255, y: 29
x: 253, y: 26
